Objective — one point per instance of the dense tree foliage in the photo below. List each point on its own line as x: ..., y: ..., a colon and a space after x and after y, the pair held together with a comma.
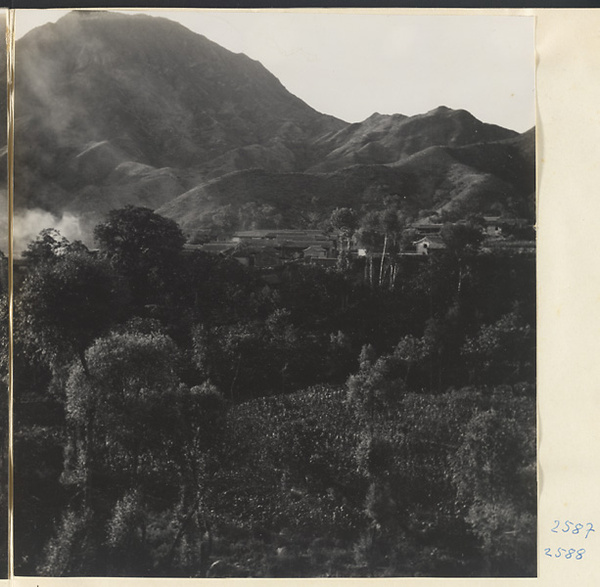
x: 144, y: 247
x: 66, y: 301
x: 196, y: 417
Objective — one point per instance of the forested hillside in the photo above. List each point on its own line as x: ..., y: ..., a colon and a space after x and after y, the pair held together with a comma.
x: 179, y: 414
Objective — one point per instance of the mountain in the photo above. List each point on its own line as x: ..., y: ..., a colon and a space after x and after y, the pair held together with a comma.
x: 99, y: 89
x: 115, y: 109
x: 387, y: 139
x: 432, y: 179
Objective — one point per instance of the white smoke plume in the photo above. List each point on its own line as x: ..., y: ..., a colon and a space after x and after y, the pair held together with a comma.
x: 29, y: 223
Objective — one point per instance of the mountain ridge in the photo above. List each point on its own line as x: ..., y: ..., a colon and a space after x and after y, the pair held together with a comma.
x: 117, y: 109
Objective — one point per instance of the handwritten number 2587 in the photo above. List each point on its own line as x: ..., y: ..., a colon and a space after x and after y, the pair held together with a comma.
x: 573, y: 528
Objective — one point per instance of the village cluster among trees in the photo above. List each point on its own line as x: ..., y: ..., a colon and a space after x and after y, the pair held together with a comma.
x: 181, y: 413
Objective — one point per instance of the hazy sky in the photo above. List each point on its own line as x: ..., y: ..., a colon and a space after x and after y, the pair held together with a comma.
x: 351, y: 65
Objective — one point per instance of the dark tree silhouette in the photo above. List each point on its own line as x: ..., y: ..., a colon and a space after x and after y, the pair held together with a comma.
x: 144, y: 247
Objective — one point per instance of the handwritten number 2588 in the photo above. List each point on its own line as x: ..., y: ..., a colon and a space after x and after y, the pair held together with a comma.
x: 567, y: 553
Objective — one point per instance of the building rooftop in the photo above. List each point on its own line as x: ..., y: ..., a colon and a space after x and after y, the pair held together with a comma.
x: 281, y: 233
x: 215, y: 247
x: 435, y: 242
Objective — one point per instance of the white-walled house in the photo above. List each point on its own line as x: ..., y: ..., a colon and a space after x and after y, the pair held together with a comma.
x: 427, y: 244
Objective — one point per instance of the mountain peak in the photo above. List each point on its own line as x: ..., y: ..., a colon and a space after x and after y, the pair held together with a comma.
x: 143, y: 110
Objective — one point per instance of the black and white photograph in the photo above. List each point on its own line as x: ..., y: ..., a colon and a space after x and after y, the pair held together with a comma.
x: 275, y: 295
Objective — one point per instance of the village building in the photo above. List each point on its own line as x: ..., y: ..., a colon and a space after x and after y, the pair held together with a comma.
x: 280, y: 234
x: 427, y: 228
x: 214, y: 248
x: 315, y: 252
x: 269, y: 248
x: 256, y: 255
x: 492, y: 226
x: 429, y: 244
